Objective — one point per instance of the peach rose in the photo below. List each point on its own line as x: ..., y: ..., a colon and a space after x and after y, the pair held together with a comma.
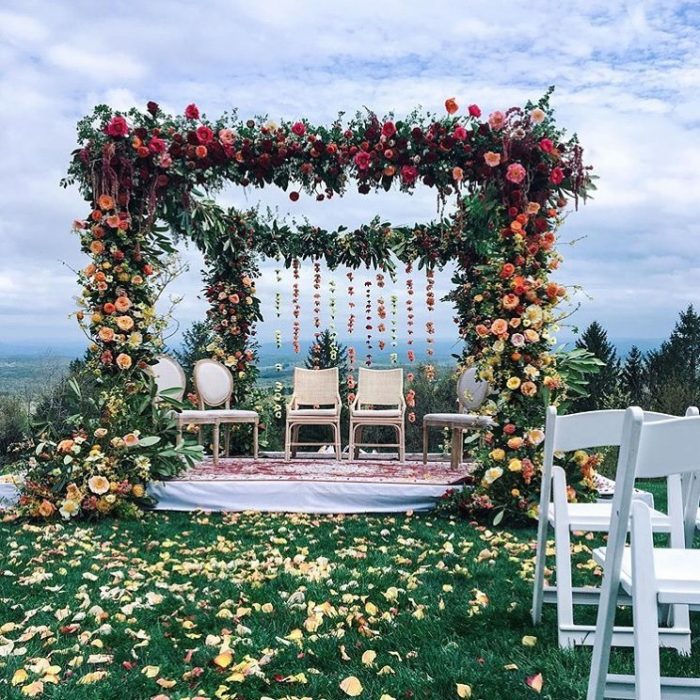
x: 481, y: 330
x: 499, y: 327
x: 510, y: 301
x: 515, y: 443
x: 457, y: 174
x: 227, y: 136
x: 532, y: 208
x: 131, y: 440
x: 537, y: 115
x: 492, y: 159
x: 528, y: 388
x: 73, y: 493
x: 105, y: 202
x: 535, y: 436
x: 497, y: 120
x: 65, y: 446
x: 98, y: 484
x: 531, y: 336
x: 122, y: 304
x: 106, y: 334
x: 113, y: 221
x: 125, y: 323
x: 90, y: 270
x: 124, y: 361
x: 97, y: 247
x: 46, y: 509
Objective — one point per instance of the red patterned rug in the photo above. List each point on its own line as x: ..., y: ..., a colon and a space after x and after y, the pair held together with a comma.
x: 269, y: 469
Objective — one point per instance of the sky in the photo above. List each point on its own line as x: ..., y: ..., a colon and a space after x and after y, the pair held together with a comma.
x: 627, y: 78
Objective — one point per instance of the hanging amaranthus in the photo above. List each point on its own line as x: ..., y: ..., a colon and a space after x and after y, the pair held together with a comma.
x: 430, y: 304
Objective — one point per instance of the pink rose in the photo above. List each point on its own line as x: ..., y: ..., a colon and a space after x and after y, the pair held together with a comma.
x: 556, y: 176
x: 389, y: 129
x: 516, y: 173
x: 298, y: 128
x: 165, y: 160
x: 226, y: 136
x: 192, y: 111
x: 362, y: 160
x: 546, y: 145
x: 492, y: 159
x: 518, y: 340
x: 409, y: 174
x: 156, y: 145
x: 205, y: 135
x: 117, y: 127
x: 497, y: 120
x: 474, y: 111
x: 460, y: 133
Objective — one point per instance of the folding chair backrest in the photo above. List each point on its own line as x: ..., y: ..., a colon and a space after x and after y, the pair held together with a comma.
x: 380, y: 387
x: 669, y: 447
x: 316, y: 387
x: 214, y: 383
x: 168, y: 374
x: 471, y: 391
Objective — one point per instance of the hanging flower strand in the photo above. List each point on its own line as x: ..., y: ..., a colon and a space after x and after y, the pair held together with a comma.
x: 332, y: 308
x: 394, y: 358
x: 430, y: 304
x: 381, y: 313
x: 351, y: 303
x: 409, y: 312
x: 296, y: 308
x: 368, y: 321
x: 317, y: 294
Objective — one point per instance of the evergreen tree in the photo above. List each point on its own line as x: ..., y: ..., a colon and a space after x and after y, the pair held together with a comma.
x: 633, y: 377
x: 673, y: 370
x: 606, y: 382
x: 327, y: 352
x: 194, y: 346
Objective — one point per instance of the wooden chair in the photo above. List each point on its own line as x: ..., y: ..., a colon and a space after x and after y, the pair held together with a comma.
x: 379, y: 401
x: 654, y: 578
x: 471, y: 394
x: 214, y: 384
x: 580, y: 431
x: 315, y: 400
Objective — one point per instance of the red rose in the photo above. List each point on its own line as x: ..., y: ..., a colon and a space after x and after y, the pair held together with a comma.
x: 156, y: 145
x: 192, y: 111
x: 546, y: 145
x: 557, y: 176
x: 474, y: 111
x: 298, y: 128
x: 117, y: 127
x: 409, y: 173
x: 362, y: 160
x: 205, y: 134
x: 389, y: 129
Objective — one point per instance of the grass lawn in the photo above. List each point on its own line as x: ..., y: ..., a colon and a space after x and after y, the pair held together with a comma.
x: 279, y: 606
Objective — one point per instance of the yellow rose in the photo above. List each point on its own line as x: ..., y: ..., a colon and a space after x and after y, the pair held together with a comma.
x: 515, y: 493
x: 138, y: 490
x: 580, y: 457
x: 513, y: 383
x: 515, y: 465
x: 498, y: 454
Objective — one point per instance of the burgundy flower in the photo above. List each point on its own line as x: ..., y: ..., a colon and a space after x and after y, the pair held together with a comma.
x: 362, y: 159
x: 389, y: 129
x: 192, y: 111
x: 205, y: 135
x: 156, y: 145
x: 409, y: 173
x: 474, y: 111
x: 117, y: 127
x: 556, y: 176
x: 460, y: 133
x: 152, y: 107
x: 298, y: 128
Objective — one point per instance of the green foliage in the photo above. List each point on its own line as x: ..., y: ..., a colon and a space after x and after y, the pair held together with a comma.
x: 605, y: 382
x: 633, y: 378
x: 13, y: 424
x: 195, y: 341
x: 576, y: 368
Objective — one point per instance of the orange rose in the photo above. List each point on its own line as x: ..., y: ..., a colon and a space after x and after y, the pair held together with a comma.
x: 528, y: 388
x: 510, y: 301
x: 457, y: 174
x: 46, y: 509
x: 97, y: 247
x: 106, y: 334
x: 124, y: 361
x: 451, y: 105
x: 65, y: 446
x: 122, y: 304
x: 515, y: 443
x: 499, y: 327
x: 109, y: 308
x: 105, y: 202
x: 96, y: 215
x: 125, y: 323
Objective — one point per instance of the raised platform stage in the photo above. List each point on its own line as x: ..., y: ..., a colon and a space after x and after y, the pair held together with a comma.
x: 309, y: 484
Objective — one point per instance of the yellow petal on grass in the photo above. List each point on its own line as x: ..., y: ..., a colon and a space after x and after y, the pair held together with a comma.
x: 464, y: 690
x: 385, y: 696
x: 224, y: 659
x: 529, y: 641
x: 351, y: 686
x: 94, y: 677
x: 165, y: 683
x: 371, y: 608
x: 511, y: 667
x: 344, y: 654
x: 368, y: 657
x: 19, y: 676
x: 33, y: 689
x: 150, y: 671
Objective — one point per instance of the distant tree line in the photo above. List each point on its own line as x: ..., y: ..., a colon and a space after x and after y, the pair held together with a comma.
x: 666, y: 379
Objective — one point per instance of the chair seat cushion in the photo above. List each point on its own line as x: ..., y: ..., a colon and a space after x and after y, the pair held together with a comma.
x: 595, y: 517
x: 463, y: 420
x: 677, y: 571
x: 376, y: 413
x: 320, y: 412
x: 218, y: 414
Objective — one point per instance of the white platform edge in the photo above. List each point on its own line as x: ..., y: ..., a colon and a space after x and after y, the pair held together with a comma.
x: 296, y: 496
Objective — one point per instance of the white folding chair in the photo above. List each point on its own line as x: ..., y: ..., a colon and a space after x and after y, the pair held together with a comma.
x: 564, y: 434
x: 214, y: 385
x: 654, y: 577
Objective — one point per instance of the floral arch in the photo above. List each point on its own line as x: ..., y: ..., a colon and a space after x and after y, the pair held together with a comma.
x: 147, y: 177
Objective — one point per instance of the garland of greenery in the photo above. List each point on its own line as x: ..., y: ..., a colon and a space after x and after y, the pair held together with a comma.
x: 148, y: 177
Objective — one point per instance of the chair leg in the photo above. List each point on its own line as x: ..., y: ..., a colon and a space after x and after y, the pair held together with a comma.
x: 402, y: 443
x: 540, y: 565
x: 255, y: 440
x: 287, y: 438
x: 216, y: 443
x: 454, y: 450
x: 562, y: 545
x: 227, y: 439
x: 295, y: 439
x: 351, y: 442
x: 338, y: 450
x: 425, y: 443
